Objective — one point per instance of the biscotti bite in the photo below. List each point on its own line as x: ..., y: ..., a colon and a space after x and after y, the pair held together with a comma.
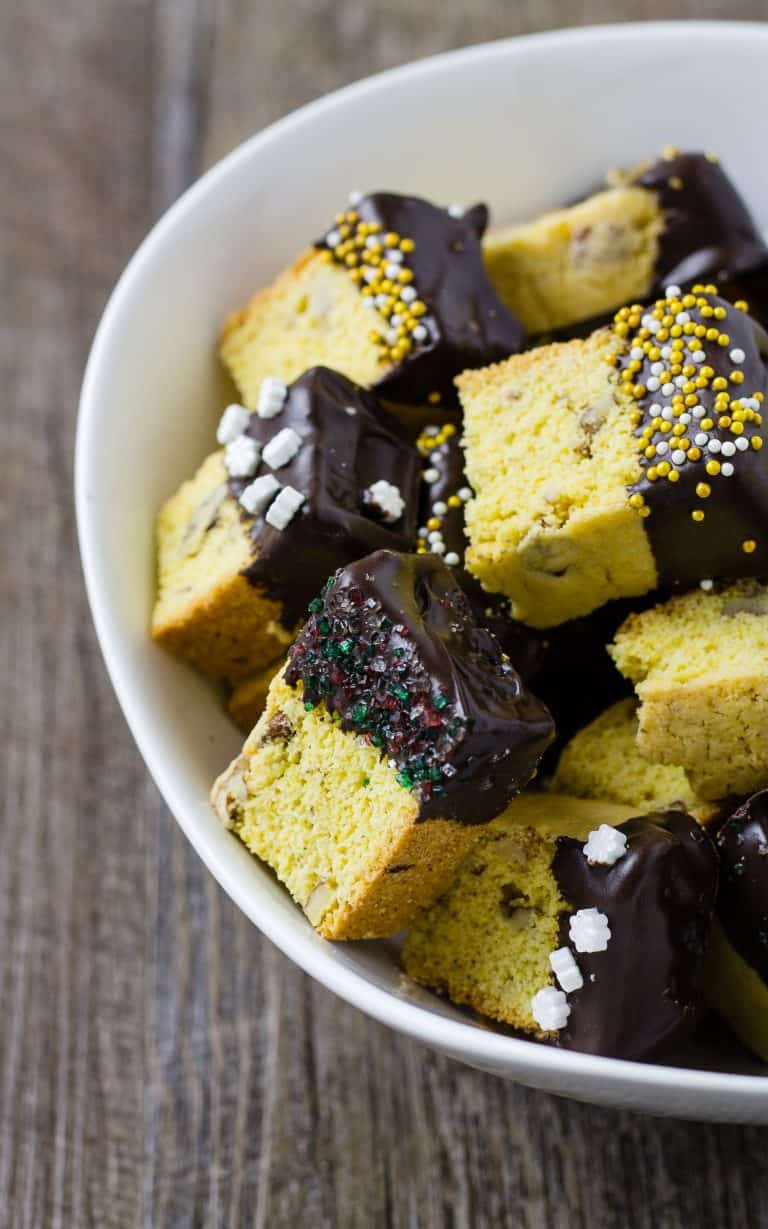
x: 316, y: 478
x: 578, y: 924
x: 699, y: 665
x: 603, y: 761
x: 611, y: 466
x: 397, y: 729
x: 737, y: 967
x: 394, y: 294
x: 675, y: 220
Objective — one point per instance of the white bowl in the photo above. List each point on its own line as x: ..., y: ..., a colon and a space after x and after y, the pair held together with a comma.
x: 523, y: 124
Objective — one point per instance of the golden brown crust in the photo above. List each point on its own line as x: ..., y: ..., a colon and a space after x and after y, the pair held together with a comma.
x: 247, y: 701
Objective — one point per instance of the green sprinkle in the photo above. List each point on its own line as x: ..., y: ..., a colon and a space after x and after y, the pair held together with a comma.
x: 345, y: 646
x: 315, y: 605
x: 441, y: 702
x: 308, y: 706
x: 366, y: 782
x: 401, y: 693
x: 358, y: 713
x: 404, y: 779
x: 323, y: 626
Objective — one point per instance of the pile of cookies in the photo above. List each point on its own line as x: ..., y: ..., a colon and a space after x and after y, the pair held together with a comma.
x: 481, y: 558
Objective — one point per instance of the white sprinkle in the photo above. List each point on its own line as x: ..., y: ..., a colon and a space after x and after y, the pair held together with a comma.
x: 437, y: 548
x: 282, y: 448
x: 419, y: 333
x: 434, y: 536
x: 452, y: 559
x: 436, y: 456
x: 685, y: 419
x: 654, y: 408
x: 726, y: 469
x: 431, y: 430
x: 589, y: 931
x: 232, y: 423
x: 672, y: 292
x: 637, y: 353
x: 697, y: 356
x: 391, y: 271
x: 605, y: 845
x: 550, y: 1009
x: 370, y: 273
x: 653, y: 324
x: 440, y: 508
x: 387, y: 498
x: 680, y: 381
x: 394, y: 256
x: 373, y: 242
x: 355, y: 197
x: 737, y: 355
x: 391, y: 337
x: 668, y: 388
x: 408, y: 294
x: 272, y: 395
x: 241, y: 457
x: 653, y: 383
x: 456, y: 211
x: 381, y: 300
x: 713, y: 445
x: 656, y: 369
x: 566, y: 969
x: 666, y: 351
x: 256, y: 496
x: 750, y: 403
x: 728, y: 449
x: 742, y: 443
x: 698, y: 411
x: 701, y: 439
x: 431, y: 475
x: 667, y: 413
x: 351, y: 410
x: 395, y: 320
x: 683, y: 318
x: 678, y: 456
x: 662, y: 447
x: 333, y: 238
x: 284, y: 507
x: 423, y: 531
x: 464, y: 493
x: 706, y: 585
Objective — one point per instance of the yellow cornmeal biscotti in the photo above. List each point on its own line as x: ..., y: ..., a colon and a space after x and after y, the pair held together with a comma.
x: 395, y: 732
x: 608, y: 467
x: 603, y: 761
x: 394, y: 295
x: 244, y: 546
x: 575, y: 922
x: 248, y: 699
x: 699, y: 664
x: 680, y: 217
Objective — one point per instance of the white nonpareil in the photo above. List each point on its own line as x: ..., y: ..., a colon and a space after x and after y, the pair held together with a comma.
x: 589, y: 931
x: 241, y: 457
x: 566, y: 970
x: 605, y: 845
x: 282, y: 448
x: 256, y: 496
x: 284, y: 507
x: 272, y: 395
x: 550, y: 1009
x: 232, y: 423
x: 387, y: 498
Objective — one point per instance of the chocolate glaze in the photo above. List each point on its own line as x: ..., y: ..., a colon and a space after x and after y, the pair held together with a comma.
x: 686, y: 551
x: 659, y: 899
x: 393, y: 648
x: 341, y: 455
x: 742, y: 906
x: 708, y: 231
x: 468, y: 324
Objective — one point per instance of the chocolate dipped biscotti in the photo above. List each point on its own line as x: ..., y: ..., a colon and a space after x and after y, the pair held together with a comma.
x: 394, y: 295
x: 396, y: 731
x: 319, y: 477
x: 612, y: 466
x: 577, y: 923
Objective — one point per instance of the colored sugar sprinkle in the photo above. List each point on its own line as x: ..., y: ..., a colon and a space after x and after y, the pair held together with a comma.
x: 377, y: 262
x: 434, y: 444
x: 353, y: 659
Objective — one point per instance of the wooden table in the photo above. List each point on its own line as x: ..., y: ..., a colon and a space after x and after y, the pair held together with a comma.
x: 160, y: 1063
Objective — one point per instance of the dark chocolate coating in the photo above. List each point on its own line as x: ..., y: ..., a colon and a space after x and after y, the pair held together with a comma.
x: 708, y: 231
x: 742, y: 906
x: 393, y: 648
x: 468, y: 324
x: 341, y: 455
x: 687, y: 551
x: 659, y: 899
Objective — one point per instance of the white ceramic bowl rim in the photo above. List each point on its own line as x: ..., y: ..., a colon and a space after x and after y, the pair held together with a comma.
x: 462, y: 1040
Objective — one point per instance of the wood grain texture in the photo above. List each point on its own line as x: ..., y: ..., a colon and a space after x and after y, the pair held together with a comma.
x: 160, y: 1063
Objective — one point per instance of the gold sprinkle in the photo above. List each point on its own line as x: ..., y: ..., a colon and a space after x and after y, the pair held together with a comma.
x: 713, y: 468
x: 703, y: 490
x: 749, y: 545
x: 697, y: 515
x: 756, y: 442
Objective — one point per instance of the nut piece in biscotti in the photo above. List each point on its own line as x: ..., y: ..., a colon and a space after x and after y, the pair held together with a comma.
x: 248, y: 699
x: 603, y: 761
x: 578, y: 924
x: 607, y: 467
x: 397, y: 729
x: 737, y: 967
x: 699, y: 665
x: 674, y: 220
x: 395, y: 295
x: 323, y: 477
